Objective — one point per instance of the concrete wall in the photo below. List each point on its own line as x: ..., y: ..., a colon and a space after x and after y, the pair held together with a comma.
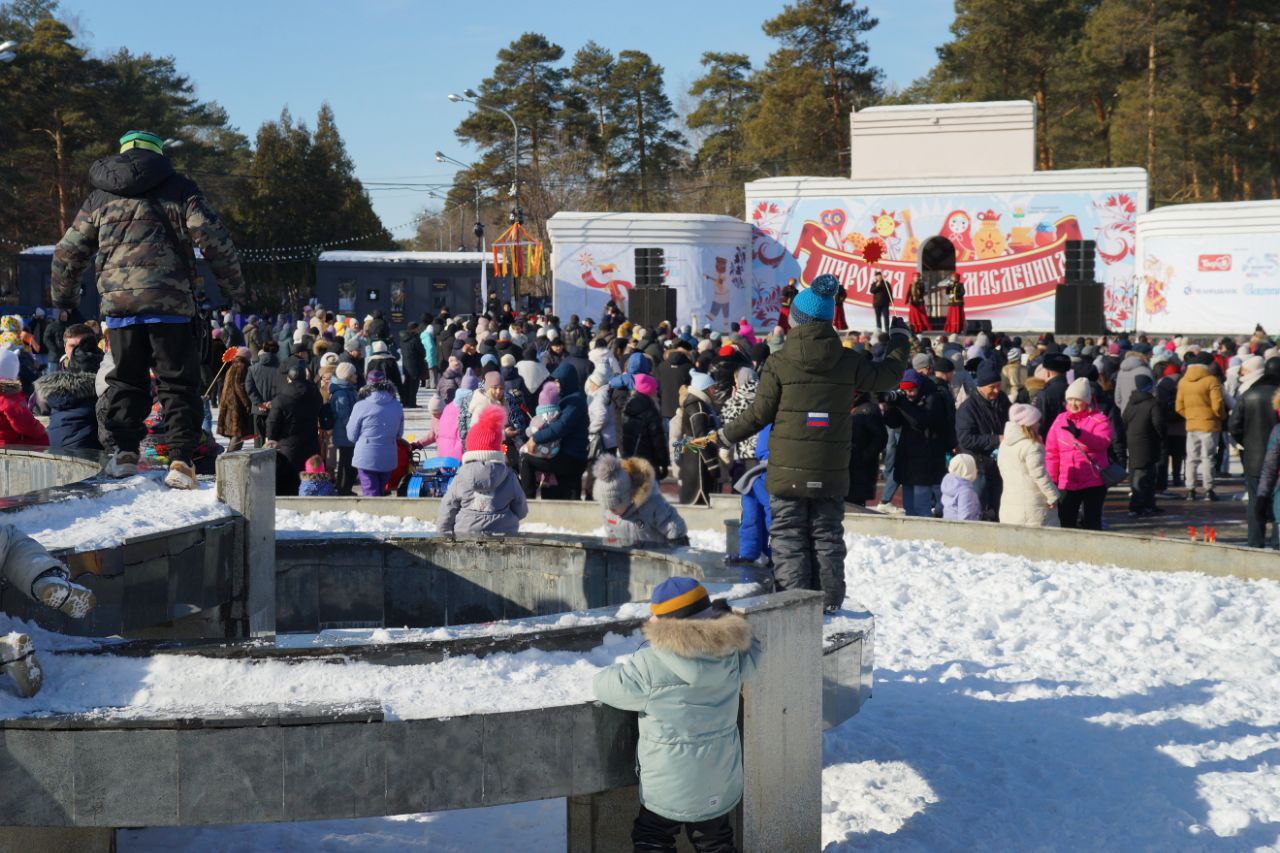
x: 1140, y: 553
x: 344, y: 582
x: 277, y: 763
x: 23, y: 471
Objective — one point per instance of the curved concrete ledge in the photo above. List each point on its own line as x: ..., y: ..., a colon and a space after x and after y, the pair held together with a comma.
x: 424, y: 582
x: 272, y: 763
x: 1141, y: 553
x: 178, y: 583
x: 187, y: 581
x: 34, y: 475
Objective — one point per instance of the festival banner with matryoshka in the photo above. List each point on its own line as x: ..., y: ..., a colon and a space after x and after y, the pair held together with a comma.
x: 1009, y: 249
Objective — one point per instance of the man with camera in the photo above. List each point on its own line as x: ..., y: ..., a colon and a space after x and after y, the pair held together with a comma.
x: 927, y: 421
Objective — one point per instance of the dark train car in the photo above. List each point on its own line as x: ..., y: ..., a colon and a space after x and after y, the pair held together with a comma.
x: 404, y: 285
x: 34, y: 272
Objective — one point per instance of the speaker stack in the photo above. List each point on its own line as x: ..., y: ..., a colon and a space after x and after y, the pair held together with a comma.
x: 649, y: 306
x: 1079, y: 259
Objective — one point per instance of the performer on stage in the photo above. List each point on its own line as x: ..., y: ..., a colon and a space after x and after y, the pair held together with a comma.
x: 917, y: 316
x: 955, y: 308
x: 839, y: 321
x: 784, y: 312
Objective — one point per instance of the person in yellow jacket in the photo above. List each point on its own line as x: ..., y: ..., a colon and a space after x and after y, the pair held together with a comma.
x: 1200, y: 402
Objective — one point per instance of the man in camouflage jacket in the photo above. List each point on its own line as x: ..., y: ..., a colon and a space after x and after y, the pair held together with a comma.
x: 141, y: 221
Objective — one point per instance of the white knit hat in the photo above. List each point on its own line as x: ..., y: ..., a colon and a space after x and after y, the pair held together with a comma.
x: 1080, y: 390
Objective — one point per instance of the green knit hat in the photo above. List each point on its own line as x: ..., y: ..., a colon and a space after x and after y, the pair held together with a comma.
x: 141, y: 139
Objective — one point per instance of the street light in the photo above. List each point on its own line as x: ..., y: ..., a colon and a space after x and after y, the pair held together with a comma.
x: 478, y: 228
x: 8, y: 51
x: 469, y: 96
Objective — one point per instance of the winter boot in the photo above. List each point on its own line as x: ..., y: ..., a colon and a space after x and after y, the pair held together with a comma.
x: 121, y: 464
x: 18, y: 661
x: 1211, y: 495
x: 56, y: 591
x: 181, y: 475
x: 1191, y: 495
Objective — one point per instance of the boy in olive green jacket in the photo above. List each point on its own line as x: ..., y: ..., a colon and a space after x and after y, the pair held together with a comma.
x: 685, y: 685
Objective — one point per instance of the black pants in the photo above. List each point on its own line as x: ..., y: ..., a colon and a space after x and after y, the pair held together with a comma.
x: 1175, y: 456
x: 882, y: 315
x: 260, y: 428
x: 653, y: 832
x: 567, y: 471
x: 344, y: 474
x: 409, y: 392
x: 1142, y: 483
x: 807, y: 539
x: 1259, y: 513
x: 170, y: 350
x: 1089, y: 501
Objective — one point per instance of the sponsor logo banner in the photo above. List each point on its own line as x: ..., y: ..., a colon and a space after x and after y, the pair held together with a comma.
x: 1215, y: 263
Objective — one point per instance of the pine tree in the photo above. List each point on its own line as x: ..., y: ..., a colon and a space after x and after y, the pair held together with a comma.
x: 528, y: 84
x: 646, y: 148
x: 725, y: 97
x: 589, y: 107
x: 790, y: 130
x: 826, y: 37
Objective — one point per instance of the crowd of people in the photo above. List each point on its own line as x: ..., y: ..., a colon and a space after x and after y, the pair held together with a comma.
x: 799, y: 423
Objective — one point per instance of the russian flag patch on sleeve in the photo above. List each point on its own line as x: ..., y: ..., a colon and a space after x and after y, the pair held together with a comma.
x: 818, y: 419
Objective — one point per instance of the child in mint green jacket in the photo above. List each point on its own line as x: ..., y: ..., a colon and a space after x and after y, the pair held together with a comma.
x: 685, y: 685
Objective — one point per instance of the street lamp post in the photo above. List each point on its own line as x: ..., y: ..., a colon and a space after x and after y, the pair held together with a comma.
x: 478, y: 228
x: 469, y: 96
x: 8, y: 51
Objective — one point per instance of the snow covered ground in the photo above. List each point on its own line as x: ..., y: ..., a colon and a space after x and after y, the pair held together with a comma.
x: 136, y: 506
x: 1018, y: 704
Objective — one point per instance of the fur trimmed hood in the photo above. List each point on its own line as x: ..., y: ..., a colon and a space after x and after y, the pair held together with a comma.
x: 642, y: 477
x: 66, y: 385
x: 380, y: 385
x: 700, y: 638
x: 10, y: 386
x: 632, y: 478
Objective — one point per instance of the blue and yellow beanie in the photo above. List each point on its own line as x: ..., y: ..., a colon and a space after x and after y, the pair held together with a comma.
x: 816, y: 304
x: 141, y: 139
x: 679, y: 598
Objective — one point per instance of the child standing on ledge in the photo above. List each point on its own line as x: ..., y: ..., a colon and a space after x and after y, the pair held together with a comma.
x: 685, y: 685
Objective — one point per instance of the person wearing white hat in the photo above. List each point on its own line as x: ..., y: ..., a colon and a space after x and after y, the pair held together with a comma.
x: 699, y: 468
x: 1076, y: 454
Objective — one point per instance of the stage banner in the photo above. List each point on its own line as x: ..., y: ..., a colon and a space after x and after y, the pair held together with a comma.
x: 1009, y: 250
x: 710, y: 281
x: 1209, y: 284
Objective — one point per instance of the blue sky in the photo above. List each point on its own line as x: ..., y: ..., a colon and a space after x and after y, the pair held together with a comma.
x: 386, y: 66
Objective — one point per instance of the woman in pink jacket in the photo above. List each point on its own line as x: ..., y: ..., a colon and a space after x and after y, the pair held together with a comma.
x: 1075, y: 453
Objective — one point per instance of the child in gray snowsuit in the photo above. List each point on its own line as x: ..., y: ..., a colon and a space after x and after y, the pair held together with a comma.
x: 635, y: 512
x: 27, y: 566
x: 485, y: 495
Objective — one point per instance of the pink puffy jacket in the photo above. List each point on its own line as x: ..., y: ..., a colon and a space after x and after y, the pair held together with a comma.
x: 1068, y: 467
x: 448, y: 442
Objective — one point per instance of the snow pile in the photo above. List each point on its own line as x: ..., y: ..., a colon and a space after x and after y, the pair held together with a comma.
x: 303, y: 525
x: 369, y: 636
x: 127, y: 508
x: 184, y: 685
x: 1023, y: 704
x: 291, y: 524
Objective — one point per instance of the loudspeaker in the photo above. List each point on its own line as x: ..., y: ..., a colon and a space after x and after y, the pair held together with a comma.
x: 649, y: 306
x: 1078, y: 308
x: 973, y: 327
x: 1079, y: 257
